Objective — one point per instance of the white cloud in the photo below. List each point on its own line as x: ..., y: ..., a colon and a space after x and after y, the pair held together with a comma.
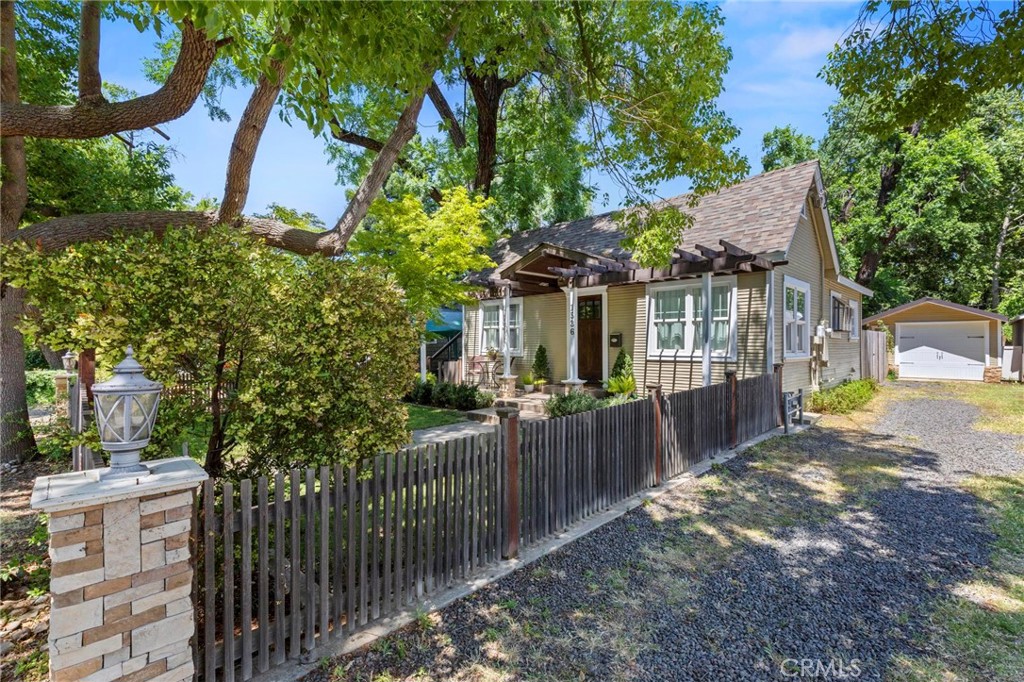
x: 804, y: 44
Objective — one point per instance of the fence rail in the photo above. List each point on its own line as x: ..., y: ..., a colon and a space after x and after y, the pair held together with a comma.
x: 288, y: 562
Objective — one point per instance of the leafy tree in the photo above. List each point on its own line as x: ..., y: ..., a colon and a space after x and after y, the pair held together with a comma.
x: 903, y: 203
x: 225, y: 323
x: 623, y: 366
x: 784, y: 146
x: 927, y: 60
x: 644, y: 76
x: 428, y: 254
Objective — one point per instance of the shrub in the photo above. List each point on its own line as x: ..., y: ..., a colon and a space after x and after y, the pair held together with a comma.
x: 39, y: 387
x: 844, y: 398
x: 34, y: 359
x: 484, y: 399
x: 571, y: 403
x: 622, y: 385
x: 466, y: 397
x: 623, y: 366
x: 443, y: 394
x: 541, y: 366
x: 422, y: 391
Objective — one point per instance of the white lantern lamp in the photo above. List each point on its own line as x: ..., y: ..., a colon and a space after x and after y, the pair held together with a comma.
x: 69, y: 360
x: 126, y: 406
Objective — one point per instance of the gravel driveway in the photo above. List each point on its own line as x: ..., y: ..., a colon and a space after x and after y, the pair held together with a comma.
x: 828, y: 546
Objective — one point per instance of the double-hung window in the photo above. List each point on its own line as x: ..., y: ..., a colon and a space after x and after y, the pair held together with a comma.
x: 492, y: 326
x: 796, y: 320
x: 677, y: 319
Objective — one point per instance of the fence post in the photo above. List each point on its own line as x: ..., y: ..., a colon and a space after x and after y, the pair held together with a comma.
x: 655, y: 392
x: 730, y: 376
x: 510, y: 431
x: 801, y: 407
x: 778, y: 394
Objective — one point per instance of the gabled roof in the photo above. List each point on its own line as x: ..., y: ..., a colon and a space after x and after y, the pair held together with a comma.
x: 927, y: 300
x: 759, y: 214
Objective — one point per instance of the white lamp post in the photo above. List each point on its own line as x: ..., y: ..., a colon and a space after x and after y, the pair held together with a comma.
x: 69, y: 360
x: 126, y: 406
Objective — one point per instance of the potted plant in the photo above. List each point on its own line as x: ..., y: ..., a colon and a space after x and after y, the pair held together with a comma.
x: 539, y: 382
x: 528, y: 382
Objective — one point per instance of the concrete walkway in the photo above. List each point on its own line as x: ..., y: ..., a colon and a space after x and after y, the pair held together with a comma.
x: 440, y: 434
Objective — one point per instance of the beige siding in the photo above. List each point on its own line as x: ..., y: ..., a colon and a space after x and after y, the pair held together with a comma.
x: 544, y: 323
x: 843, y: 352
x: 627, y: 313
x: 805, y: 264
x: 930, y: 312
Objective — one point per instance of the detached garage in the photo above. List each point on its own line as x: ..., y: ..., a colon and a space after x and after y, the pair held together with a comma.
x: 940, y: 340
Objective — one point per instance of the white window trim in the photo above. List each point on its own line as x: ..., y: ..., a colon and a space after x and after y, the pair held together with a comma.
x: 794, y: 283
x: 499, y: 304
x: 692, y: 351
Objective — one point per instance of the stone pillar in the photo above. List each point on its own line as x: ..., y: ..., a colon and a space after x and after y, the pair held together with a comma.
x: 60, y: 394
x: 507, y: 386
x: 993, y: 375
x: 121, y: 573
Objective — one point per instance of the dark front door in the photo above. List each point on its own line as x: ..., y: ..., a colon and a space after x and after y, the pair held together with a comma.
x: 589, y: 340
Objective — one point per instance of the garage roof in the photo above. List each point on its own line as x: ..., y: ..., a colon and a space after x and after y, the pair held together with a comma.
x: 984, y: 314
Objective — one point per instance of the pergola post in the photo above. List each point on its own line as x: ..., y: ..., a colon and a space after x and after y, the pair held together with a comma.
x: 706, y: 328
x: 423, y: 359
x: 571, y: 307
x: 506, y: 329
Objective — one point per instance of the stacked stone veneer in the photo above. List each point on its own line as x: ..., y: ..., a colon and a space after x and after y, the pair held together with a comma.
x: 120, y: 584
x: 993, y: 375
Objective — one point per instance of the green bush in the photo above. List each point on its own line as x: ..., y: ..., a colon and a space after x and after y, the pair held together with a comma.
x: 622, y: 385
x: 34, y: 359
x: 844, y: 398
x: 571, y: 403
x: 458, y: 396
x: 541, y: 366
x: 39, y: 386
x: 422, y: 391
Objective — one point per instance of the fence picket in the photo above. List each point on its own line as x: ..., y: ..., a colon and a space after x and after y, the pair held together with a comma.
x: 245, y: 621
x: 229, y: 583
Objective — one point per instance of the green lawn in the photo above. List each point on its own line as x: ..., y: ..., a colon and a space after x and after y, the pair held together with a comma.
x: 1002, y: 405
x: 421, y: 417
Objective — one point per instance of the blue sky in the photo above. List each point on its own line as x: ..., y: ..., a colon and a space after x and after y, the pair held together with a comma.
x: 778, y: 49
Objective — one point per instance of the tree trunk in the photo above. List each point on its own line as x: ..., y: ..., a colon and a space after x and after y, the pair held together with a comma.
x: 997, y: 263
x: 16, y: 441
x: 215, y: 447
x: 54, y: 358
x: 890, y: 174
x: 487, y: 97
x: 90, y: 83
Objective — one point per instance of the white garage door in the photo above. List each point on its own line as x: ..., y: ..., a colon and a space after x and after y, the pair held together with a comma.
x: 942, y: 350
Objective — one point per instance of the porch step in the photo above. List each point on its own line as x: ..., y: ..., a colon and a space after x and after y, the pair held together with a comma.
x: 486, y: 415
x: 525, y: 404
x: 562, y: 389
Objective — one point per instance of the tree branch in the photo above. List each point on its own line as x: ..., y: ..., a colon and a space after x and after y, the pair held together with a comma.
x: 342, y: 135
x: 247, y: 139
x: 379, y: 171
x: 90, y: 84
x: 59, y: 233
x: 455, y: 132
x: 172, y: 100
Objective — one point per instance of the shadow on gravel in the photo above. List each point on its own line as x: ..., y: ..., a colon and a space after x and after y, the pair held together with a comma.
x: 827, y: 546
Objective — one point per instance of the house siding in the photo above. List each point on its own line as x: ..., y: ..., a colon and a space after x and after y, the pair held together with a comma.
x: 543, y: 323
x: 930, y: 312
x: 805, y: 263
x: 844, y: 352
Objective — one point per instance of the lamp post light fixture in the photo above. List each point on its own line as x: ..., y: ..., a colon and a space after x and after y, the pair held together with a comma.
x: 126, y: 406
x: 69, y: 361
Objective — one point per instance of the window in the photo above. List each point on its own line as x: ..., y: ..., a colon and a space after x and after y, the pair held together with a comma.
x: 491, y: 326
x: 844, y: 316
x: 797, y: 309
x: 677, y: 319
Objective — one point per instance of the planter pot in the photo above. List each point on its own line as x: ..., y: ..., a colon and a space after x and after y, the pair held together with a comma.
x: 528, y: 388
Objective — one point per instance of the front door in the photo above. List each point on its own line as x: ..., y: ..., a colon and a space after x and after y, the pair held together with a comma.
x: 591, y: 362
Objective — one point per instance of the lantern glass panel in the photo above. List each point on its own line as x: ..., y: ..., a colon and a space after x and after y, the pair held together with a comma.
x: 142, y: 410
x: 111, y: 406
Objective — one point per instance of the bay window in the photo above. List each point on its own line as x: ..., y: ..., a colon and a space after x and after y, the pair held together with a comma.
x: 676, y: 318
x: 796, y: 318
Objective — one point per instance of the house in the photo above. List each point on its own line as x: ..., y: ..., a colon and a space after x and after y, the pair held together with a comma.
x: 936, y: 339
x: 759, y: 264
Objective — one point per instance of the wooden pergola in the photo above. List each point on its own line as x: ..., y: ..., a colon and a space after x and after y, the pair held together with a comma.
x: 554, y: 269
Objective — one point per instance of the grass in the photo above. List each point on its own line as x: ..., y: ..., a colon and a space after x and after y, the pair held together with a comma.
x: 1001, y: 405
x: 423, y: 417
x: 979, y: 631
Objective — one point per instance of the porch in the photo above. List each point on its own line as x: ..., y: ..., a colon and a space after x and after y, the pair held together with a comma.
x: 581, y: 309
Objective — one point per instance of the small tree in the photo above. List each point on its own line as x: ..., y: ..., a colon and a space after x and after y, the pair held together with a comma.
x: 541, y: 366
x: 623, y: 364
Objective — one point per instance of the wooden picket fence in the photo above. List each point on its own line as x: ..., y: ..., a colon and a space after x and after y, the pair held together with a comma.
x: 289, y: 562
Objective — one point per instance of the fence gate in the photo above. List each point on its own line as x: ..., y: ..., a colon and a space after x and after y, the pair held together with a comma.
x: 874, y: 356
